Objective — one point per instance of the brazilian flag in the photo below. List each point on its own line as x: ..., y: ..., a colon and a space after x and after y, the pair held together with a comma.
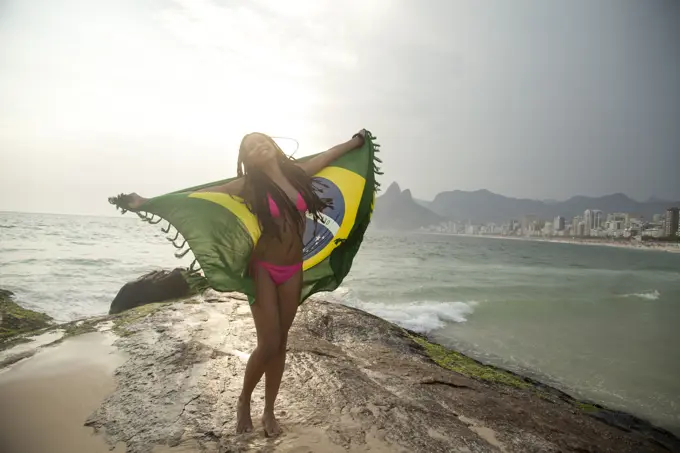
x: 221, y: 231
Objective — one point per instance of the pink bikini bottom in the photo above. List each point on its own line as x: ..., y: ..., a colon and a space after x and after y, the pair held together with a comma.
x: 279, y: 274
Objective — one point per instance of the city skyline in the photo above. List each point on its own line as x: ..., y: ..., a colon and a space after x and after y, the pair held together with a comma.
x: 594, y: 223
x: 483, y: 212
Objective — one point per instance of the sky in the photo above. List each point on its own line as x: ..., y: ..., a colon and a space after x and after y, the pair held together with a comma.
x: 537, y: 99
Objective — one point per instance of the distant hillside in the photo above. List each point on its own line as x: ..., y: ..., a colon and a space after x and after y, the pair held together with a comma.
x: 654, y: 199
x: 423, y: 203
x: 482, y: 206
x: 397, y: 210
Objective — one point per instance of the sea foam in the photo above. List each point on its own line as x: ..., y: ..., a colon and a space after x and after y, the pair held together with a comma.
x: 419, y: 316
x: 649, y: 295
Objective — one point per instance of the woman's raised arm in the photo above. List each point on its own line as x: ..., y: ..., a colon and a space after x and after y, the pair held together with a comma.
x: 132, y: 201
x: 323, y: 160
x: 233, y: 187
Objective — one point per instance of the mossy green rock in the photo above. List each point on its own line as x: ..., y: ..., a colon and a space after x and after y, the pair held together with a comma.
x: 455, y: 361
x: 122, y: 320
x: 15, y: 320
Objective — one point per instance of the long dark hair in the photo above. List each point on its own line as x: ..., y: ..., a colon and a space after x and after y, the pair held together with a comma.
x: 257, y: 185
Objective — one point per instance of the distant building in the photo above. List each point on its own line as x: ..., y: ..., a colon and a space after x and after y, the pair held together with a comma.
x: 615, y: 226
x: 574, y: 225
x: 588, y: 219
x: 671, y: 223
x: 472, y: 229
x: 588, y: 222
x: 652, y: 233
x: 636, y: 226
x: 656, y: 218
x: 531, y: 225
x: 581, y: 229
x: 593, y: 219
x: 559, y: 223
x: 528, y: 224
x: 598, y: 219
x: 619, y: 217
x: 547, y: 229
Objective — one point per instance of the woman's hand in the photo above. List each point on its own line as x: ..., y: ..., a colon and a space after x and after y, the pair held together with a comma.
x: 360, y: 136
x: 127, y: 202
x: 135, y: 201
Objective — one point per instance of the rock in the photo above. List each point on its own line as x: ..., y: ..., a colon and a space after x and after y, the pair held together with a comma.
x: 353, y: 382
x: 397, y: 210
x: 156, y: 286
x: 15, y: 320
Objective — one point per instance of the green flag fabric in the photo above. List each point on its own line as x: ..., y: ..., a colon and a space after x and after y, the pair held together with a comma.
x: 221, y: 231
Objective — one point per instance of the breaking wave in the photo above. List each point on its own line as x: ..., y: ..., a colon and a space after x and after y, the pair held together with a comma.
x: 649, y: 295
x: 419, y: 316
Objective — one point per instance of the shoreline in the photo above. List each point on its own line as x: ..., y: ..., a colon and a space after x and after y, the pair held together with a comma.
x: 633, y: 245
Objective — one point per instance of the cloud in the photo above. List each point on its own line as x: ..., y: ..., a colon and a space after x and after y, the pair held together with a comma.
x: 527, y: 99
x: 289, y: 40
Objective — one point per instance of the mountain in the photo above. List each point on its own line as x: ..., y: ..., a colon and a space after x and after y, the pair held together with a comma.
x: 655, y: 199
x: 482, y: 206
x: 423, y: 203
x: 397, y: 210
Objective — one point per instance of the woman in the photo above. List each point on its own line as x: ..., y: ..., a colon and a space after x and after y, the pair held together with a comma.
x: 278, y: 190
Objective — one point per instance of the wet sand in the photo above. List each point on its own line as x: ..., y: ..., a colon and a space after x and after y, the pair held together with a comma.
x: 47, y: 398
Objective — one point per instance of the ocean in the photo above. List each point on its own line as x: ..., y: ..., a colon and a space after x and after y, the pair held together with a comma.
x: 601, y: 323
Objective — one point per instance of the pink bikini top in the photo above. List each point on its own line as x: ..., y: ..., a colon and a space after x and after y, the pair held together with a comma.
x: 300, y: 205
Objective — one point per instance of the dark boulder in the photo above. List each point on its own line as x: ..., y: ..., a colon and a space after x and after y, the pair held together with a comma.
x: 156, y: 286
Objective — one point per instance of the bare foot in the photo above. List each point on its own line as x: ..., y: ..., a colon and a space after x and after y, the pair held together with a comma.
x: 270, y: 424
x: 244, y: 424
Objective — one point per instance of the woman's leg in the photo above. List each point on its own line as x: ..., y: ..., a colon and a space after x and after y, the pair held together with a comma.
x: 289, y: 300
x: 265, y: 312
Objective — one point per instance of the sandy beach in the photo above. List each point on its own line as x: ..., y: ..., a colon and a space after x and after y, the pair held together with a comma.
x: 47, y: 398
x: 636, y: 245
